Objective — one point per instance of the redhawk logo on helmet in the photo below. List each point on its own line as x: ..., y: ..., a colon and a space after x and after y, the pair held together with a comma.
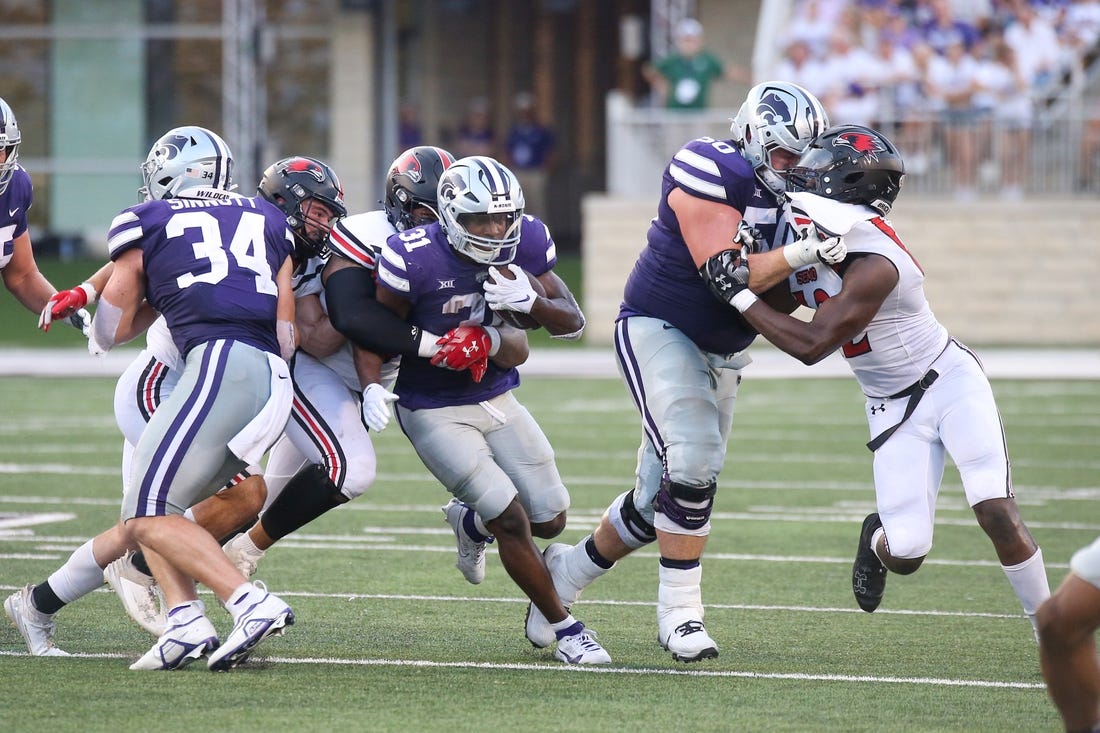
x: 862, y: 143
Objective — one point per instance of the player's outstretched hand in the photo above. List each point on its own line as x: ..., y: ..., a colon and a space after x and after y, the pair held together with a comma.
x: 68, y: 304
x: 376, y: 407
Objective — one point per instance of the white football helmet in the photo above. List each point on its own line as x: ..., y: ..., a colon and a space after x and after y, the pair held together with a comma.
x: 9, y: 138
x: 776, y: 114
x: 185, y: 158
x: 474, y: 188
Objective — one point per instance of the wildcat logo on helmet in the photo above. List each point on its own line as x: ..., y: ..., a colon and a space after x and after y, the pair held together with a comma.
x: 864, y: 144
x: 773, y: 109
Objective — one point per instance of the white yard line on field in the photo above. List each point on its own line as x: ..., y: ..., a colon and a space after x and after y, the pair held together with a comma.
x: 643, y: 671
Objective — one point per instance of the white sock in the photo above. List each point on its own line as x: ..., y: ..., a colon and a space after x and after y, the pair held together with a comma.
x: 79, y: 576
x: 875, y: 537
x: 578, y: 568
x: 1029, y: 580
x: 680, y: 588
x: 245, y: 543
x: 238, y: 601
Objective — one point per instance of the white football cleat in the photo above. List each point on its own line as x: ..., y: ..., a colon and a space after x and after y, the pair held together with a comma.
x: 536, y: 627
x: 139, y: 593
x: 471, y: 553
x: 581, y: 648
x: 36, y: 628
x: 266, y: 617
x: 243, y: 553
x: 189, y: 636
x: 680, y: 627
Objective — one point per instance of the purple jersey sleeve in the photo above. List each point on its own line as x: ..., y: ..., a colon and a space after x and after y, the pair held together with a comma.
x: 210, y: 266
x: 14, y: 203
x: 665, y: 281
x: 445, y: 292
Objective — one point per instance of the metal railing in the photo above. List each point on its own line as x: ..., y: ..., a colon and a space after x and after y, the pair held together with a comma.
x: 1048, y: 156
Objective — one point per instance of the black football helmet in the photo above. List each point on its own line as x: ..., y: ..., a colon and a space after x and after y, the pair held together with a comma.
x: 853, y: 164
x: 291, y: 182
x: 411, y: 182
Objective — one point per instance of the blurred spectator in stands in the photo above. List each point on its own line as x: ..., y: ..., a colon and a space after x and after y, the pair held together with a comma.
x: 1080, y: 27
x: 683, y: 78
x: 952, y: 81
x: 475, y: 134
x: 852, y: 97
x: 409, y: 134
x: 529, y: 152
x: 814, y: 21
x: 891, y: 70
x: 801, y: 67
x: 1039, y: 53
x: 918, y: 111
x: 1089, y: 179
x: 1000, y: 78
x: 943, y: 28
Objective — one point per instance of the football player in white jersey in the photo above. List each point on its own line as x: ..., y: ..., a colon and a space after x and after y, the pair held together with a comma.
x: 1067, y: 642
x: 927, y: 394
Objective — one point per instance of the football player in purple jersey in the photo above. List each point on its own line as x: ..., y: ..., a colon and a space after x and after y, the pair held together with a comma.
x: 328, y: 454
x: 467, y: 426
x: 218, y: 268
x: 681, y: 351
x: 17, y: 265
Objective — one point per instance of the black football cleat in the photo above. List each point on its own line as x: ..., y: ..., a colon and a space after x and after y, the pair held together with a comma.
x: 868, y: 572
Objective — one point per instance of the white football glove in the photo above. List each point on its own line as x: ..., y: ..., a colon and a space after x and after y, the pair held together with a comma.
x: 510, y: 295
x: 812, y: 249
x: 376, y: 407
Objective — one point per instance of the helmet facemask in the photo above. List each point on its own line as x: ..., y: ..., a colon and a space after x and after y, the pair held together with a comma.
x: 475, y: 192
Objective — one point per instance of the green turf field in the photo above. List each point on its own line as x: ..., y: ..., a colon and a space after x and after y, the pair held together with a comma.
x: 391, y: 638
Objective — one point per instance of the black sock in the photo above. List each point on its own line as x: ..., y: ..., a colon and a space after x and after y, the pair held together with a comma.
x: 679, y: 564
x: 139, y: 562
x: 45, y: 600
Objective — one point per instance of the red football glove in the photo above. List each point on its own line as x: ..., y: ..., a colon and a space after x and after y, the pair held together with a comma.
x: 465, y: 347
x: 64, y: 304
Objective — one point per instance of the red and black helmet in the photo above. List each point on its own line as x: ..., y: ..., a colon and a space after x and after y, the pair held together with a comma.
x: 853, y: 164
x: 411, y: 183
x: 290, y: 182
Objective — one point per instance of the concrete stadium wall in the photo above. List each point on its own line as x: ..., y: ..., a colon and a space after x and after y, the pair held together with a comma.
x: 998, y: 273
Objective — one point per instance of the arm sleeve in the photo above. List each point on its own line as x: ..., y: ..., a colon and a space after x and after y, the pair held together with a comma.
x: 354, y: 312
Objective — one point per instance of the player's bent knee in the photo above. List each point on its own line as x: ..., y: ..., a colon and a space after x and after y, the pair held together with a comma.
x: 549, y: 530
x: 686, y: 507
x: 907, y: 550
x: 629, y: 523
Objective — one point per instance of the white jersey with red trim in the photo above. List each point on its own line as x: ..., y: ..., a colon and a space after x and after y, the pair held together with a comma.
x: 904, y: 337
x: 360, y: 237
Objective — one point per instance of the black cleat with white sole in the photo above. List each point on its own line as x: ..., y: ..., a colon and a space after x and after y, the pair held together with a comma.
x: 868, y: 572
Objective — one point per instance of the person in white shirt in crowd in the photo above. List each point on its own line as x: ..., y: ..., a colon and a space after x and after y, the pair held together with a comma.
x: 952, y: 81
x: 1011, y: 111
